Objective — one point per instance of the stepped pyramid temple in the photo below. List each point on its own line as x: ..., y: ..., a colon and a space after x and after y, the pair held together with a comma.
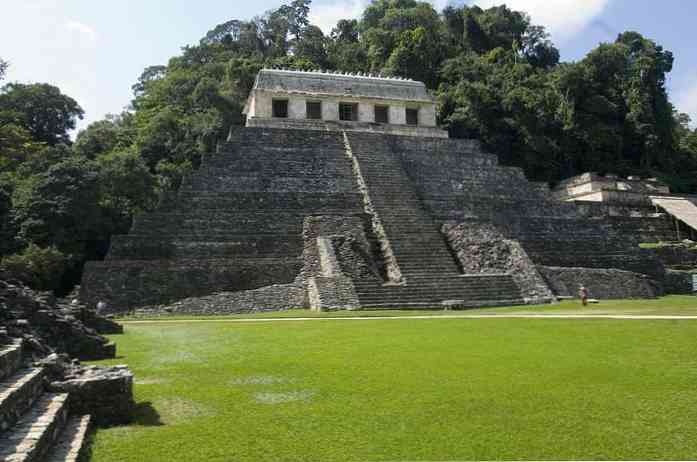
x: 342, y: 193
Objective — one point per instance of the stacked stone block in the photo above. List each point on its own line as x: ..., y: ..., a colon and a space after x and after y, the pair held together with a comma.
x: 33, y: 421
x: 459, y: 183
x: 235, y: 225
x: 379, y: 204
x: 427, y: 273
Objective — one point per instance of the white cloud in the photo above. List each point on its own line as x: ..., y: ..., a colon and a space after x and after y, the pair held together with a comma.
x: 85, y: 33
x: 686, y: 101
x: 326, y: 15
x: 563, y: 18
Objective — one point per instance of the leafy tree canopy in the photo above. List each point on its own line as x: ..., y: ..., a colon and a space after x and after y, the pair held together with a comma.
x: 46, y: 113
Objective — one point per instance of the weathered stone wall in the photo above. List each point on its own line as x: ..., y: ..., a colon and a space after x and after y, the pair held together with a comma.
x: 336, y: 251
x: 679, y: 282
x: 332, y: 293
x: 10, y: 358
x: 330, y: 125
x: 330, y: 108
x: 636, y: 223
x: 126, y: 285
x: 239, y: 223
x: 105, y: 393
x: 610, y: 188
x: 279, y: 297
x: 349, y: 242
x: 681, y: 256
x: 234, y: 225
x: 44, y: 327
x: 468, y: 185
x: 601, y: 283
x: 481, y: 249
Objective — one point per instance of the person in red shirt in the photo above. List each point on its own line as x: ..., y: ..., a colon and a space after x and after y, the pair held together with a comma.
x: 583, y: 295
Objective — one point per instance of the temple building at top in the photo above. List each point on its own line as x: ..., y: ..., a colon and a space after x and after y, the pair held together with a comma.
x: 329, y: 101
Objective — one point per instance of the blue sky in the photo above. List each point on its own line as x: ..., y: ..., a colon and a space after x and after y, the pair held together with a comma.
x: 95, y: 50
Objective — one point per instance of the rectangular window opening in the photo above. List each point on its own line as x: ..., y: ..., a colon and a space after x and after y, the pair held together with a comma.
x: 382, y: 114
x: 314, y: 110
x: 280, y: 108
x: 412, y: 116
x: 348, y: 111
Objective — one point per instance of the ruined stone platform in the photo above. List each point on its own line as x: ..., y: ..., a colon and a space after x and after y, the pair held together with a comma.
x: 357, y: 220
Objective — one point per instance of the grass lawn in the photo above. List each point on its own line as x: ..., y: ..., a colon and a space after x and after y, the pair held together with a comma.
x: 677, y: 305
x: 417, y: 390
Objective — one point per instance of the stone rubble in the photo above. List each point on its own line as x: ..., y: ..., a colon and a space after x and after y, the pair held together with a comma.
x: 48, y: 400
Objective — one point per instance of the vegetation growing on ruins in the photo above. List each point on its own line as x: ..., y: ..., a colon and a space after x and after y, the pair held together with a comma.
x: 497, y: 77
x: 387, y: 390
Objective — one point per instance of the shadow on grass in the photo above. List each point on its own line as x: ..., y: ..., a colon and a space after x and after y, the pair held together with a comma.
x: 146, y: 415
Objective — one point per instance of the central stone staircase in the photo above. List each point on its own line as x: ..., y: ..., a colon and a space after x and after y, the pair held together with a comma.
x: 430, y: 274
x: 35, y: 426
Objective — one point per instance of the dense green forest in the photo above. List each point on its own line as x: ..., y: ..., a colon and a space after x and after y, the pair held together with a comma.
x: 497, y: 78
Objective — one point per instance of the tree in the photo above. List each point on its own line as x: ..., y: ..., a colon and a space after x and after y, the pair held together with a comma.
x: 150, y: 74
x: 39, y: 268
x: 105, y: 136
x: 403, y: 38
x: 312, y: 46
x: 472, y: 29
x: 59, y: 207
x: 344, y: 50
x: 8, y: 229
x: 298, y: 17
x: 46, y: 113
x: 225, y: 33
x: 3, y: 68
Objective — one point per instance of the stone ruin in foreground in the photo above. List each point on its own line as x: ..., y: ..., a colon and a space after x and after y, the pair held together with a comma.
x: 341, y: 193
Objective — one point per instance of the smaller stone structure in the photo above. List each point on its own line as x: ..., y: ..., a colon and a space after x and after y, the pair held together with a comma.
x: 482, y: 249
x: 48, y: 401
x: 284, y: 98
x: 610, y: 189
x: 644, y: 210
x: 104, y: 393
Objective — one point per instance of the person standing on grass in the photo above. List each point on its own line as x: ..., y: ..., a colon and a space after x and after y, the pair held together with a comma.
x: 583, y: 295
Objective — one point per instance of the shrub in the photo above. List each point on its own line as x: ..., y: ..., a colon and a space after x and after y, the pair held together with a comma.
x: 39, y: 268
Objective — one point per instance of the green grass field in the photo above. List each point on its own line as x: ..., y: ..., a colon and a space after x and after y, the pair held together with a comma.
x: 675, y: 305
x: 417, y: 390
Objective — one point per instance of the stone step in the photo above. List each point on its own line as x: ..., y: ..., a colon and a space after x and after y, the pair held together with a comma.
x: 18, y: 393
x: 397, y: 304
x: 10, y: 358
x: 437, y: 296
x: 32, y: 437
x: 428, y: 261
x: 416, y: 286
x: 72, y: 443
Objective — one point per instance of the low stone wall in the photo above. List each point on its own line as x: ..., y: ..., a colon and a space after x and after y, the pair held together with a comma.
x: 332, y: 294
x: 126, y: 285
x: 105, y: 393
x: 348, y: 239
x: 481, y: 249
x: 677, y: 256
x: 601, y: 283
x: 336, y: 251
x: 271, y: 298
x: 679, y: 282
x: 10, y: 358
